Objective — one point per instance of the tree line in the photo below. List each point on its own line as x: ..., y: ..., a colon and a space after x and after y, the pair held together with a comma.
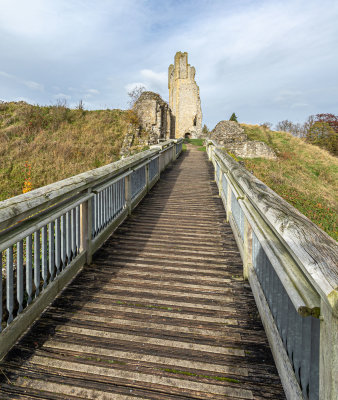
x: 320, y: 130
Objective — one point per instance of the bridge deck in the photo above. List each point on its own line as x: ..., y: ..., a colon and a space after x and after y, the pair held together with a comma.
x: 162, y: 313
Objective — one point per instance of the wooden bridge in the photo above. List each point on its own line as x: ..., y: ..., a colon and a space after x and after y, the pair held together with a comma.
x: 162, y: 310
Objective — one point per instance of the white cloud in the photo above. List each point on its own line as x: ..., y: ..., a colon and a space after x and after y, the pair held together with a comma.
x: 154, y: 79
x: 62, y: 96
x: 130, y: 86
x: 259, y: 58
x: 93, y: 91
x: 33, y: 85
x: 30, y: 84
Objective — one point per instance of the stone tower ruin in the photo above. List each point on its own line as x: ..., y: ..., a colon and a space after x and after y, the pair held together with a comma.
x: 184, y: 98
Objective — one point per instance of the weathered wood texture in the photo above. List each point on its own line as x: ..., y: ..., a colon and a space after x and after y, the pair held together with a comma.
x: 25, y: 205
x: 314, y: 251
x: 162, y: 312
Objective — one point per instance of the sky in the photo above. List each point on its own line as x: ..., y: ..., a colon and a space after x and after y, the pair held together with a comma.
x: 266, y: 61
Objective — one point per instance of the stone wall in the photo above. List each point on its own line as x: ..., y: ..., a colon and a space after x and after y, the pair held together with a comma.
x: 184, y: 98
x: 155, y: 117
x: 231, y: 135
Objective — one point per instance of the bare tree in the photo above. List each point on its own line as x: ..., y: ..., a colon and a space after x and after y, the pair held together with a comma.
x: 266, y: 125
x: 288, y: 126
x: 80, y: 106
x: 134, y: 94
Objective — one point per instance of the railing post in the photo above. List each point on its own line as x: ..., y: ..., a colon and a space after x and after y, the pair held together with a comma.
x: 128, y: 192
x: 86, y: 223
x: 247, y: 247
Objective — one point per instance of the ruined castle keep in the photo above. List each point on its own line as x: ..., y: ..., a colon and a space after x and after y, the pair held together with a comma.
x: 184, y: 98
x: 182, y: 117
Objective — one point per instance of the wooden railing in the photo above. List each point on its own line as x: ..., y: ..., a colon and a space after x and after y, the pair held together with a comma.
x: 291, y: 265
x: 48, y: 234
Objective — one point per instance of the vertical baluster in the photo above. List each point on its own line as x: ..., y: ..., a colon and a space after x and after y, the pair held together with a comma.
x: 291, y: 333
x: 29, y: 269
x: 103, y: 222
x: 278, y: 297
x: 68, y: 237
x: 314, y: 363
x: 108, y: 204
x: 44, y: 256
x: 51, y: 249
x: 63, y: 240
x: 305, y: 355
x: 105, y: 206
x: 58, y: 244
x: 111, y: 202
x: 102, y: 210
x: 9, y: 284
x: 0, y: 291
x: 265, y: 271
x: 19, y: 275
x: 93, y: 200
x: 37, y: 262
x: 270, y: 284
x: 73, y: 232
x: 96, y: 213
x: 284, y: 316
x: 78, y: 227
x: 118, y: 196
x: 114, y: 199
x: 297, y: 351
x: 123, y: 193
x: 98, y: 197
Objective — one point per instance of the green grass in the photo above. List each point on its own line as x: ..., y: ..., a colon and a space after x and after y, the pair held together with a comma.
x: 304, y: 175
x: 195, y: 142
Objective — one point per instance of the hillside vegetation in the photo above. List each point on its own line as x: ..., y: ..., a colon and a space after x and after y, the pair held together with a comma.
x: 40, y: 145
x: 304, y: 175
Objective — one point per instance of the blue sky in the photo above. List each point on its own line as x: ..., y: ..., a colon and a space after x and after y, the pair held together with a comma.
x: 264, y: 60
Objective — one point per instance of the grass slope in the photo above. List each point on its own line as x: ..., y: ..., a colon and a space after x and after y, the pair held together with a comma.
x: 304, y: 175
x: 56, y: 142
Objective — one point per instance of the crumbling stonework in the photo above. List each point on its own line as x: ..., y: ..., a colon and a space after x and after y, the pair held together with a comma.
x: 251, y: 149
x: 226, y: 132
x: 155, y: 117
x: 184, y: 98
x: 231, y: 135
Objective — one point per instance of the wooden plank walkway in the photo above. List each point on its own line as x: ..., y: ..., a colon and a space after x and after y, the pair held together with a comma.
x: 162, y: 313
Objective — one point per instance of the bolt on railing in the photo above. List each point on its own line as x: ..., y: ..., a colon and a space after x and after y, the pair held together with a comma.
x: 48, y: 234
x: 291, y: 266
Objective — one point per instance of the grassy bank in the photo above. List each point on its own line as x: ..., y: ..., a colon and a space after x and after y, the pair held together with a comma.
x: 304, y: 175
x: 46, y: 144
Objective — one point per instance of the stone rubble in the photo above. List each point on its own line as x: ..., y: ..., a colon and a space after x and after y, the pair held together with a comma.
x: 231, y: 136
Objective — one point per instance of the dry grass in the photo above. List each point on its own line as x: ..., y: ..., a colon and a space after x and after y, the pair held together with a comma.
x: 56, y: 142
x: 304, y: 175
